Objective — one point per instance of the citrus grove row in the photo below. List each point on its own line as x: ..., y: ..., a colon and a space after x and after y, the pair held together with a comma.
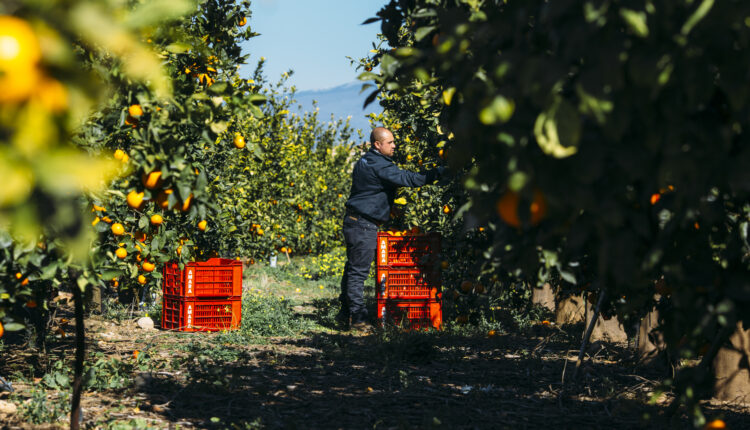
x: 597, y: 147
x: 127, y: 148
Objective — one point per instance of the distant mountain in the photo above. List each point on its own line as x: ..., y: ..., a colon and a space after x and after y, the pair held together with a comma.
x: 341, y: 101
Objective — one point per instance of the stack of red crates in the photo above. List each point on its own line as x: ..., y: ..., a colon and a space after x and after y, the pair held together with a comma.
x: 408, y: 280
x: 204, y: 296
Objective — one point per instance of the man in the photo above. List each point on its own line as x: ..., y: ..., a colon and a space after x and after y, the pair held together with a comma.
x: 374, y: 182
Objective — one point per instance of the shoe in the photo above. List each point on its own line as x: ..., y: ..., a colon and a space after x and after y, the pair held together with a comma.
x: 343, y: 319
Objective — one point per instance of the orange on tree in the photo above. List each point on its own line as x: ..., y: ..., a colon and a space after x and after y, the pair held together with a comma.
x: 186, y: 204
x: 162, y: 200
x: 19, y: 55
x: 507, y: 207
x: 148, y: 266
x: 239, y: 141
x: 135, y: 110
x: 141, y: 279
x: 119, y: 154
x: 2, y: 329
x: 31, y: 304
x: 446, y: 209
x: 118, y: 229
x: 135, y: 199
x: 25, y: 282
x: 140, y: 237
x: 715, y: 425
x: 136, y: 353
x: 152, y: 180
x: 19, y: 275
x: 479, y: 288
x: 466, y: 286
x: 52, y: 95
x: 121, y: 253
x: 156, y: 219
x: 202, y: 225
x: 243, y: 21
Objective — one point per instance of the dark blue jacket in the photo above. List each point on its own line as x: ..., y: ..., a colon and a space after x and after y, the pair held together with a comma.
x: 374, y: 183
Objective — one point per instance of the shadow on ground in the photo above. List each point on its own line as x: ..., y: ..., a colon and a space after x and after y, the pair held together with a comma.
x: 412, y: 380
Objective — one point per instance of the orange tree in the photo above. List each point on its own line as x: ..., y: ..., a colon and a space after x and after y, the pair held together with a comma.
x: 162, y: 207
x: 604, y: 141
x: 285, y: 191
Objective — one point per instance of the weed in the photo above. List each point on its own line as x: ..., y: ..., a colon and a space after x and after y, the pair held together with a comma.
x: 42, y: 408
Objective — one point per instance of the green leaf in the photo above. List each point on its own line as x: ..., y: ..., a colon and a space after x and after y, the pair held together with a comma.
x: 697, y: 16
x: 14, y: 326
x: 636, y: 21
x: 422, y: 32
x: 143, y: 222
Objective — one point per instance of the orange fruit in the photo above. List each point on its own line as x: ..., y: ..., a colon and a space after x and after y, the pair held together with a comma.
x: 19, y: 275
x: 446, y: 209
x: 2, y: 329
x: 179, y: 250
x: 243, y: 21
x: 135, y: 199
x: 491, y: 333
x: 152, y: 180
x: 186, y: 204
x: 507, y: 208
x: 19, y: 55
x: 148, y: 266
x: 163, y: 199
x: 545, y: 322
x: 52, y: 95
x: 655, y: 198
x: 156, y: 219
x: 239, y: 141
x: 118, y: 229
x: 141, y: 279
x: 715, y: 425
x: 140, y: 237
x: 121, y: 253
x: 119, y: 154
x: 202, y: 225
x: 135, y: 354
x: 466, y: 286
x: 479, y: 288
x: 131, y: 121
x: 441, y: 154
x: 135, y: 110
x: 25, y: 282
x: 31, y: 304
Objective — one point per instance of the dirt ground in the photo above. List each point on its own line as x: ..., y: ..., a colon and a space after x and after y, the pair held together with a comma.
x: 329, y: 379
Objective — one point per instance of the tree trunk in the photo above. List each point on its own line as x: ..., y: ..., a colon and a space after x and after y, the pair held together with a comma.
x: 587, y: 334
x: 544, y: 296
x: 75, y: 406
x: 731, y: 368
x: 651, y: 345
x: 570, y: 310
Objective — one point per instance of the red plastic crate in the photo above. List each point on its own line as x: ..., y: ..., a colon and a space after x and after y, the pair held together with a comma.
x: 191, y: 314
x: 411, y: 314
x: 421, y: 283
x: 410, y: 250
x: 217, y: 277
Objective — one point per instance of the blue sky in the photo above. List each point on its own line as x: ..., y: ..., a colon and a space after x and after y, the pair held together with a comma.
x: 312, y: 37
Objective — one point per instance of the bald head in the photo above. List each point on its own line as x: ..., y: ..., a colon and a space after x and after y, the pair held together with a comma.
x: 382, y: 139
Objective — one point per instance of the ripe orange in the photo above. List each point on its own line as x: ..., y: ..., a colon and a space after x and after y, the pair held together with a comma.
x: 163, y: 199
x: 203, y: 224
x: 141, y: 279
x: 715, y: 425
x: 19, y: 275
x: 135, y: 110
x: 446, y: 209
x: 25, y: 282
x: 186, y: 204
x: 491, y: 333
x: 466, y: 286
x: 2, y: 329
x: 135, y: 354
x: 31, y: 304
x: 148, y: 266
x: 156, y: 219
x: 507, y: 208
x: 239, y: 141
x: 140, y: 237
x: 118, y: 229
x: 479, y: 288
x: 441, y: 154
x: 179, y: 250
x: 131, y: 121
x: 243, y: 21
x: 52, y: 95
x: 19, y: 55
x: 152, y: 180
x: 121, y: 253
x: 655, y: 198
x: 119, y: 154
x: 135, y: 199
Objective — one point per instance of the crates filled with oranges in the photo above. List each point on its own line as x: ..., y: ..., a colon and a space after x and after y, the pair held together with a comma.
x: 204, y: 296
x: 408, y: 279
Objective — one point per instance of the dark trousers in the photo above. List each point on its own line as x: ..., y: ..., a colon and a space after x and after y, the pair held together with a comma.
x: 361, y: 243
